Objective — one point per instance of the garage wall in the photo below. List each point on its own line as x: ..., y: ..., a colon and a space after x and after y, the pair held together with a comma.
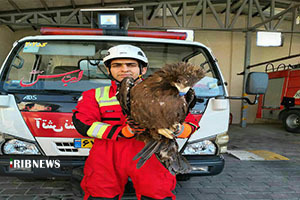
x: 6, y: 41
x: 27, y: 32
x: 228, y: 47
x: 8, y: 37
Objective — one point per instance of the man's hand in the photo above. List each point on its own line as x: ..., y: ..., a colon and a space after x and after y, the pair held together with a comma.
x: 131, y: 129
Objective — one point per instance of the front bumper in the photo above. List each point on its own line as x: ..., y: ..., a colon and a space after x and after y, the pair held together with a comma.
x: 67, y: 164
x: 205, y: 165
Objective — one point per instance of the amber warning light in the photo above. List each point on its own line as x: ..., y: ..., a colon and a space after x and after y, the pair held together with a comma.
x: 116, y: 32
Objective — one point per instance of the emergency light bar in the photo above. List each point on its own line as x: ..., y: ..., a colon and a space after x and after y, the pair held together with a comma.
x: 115, y: 32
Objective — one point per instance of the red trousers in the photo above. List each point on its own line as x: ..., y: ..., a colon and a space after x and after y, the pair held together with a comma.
x: 109, y: 165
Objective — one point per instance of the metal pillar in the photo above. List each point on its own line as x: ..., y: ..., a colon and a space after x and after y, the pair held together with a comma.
x: 246, y: 63
x: 246, y: 70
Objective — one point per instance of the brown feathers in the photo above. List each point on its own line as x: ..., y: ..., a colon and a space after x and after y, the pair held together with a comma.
x: 158, y: 102
x: 155, y: 102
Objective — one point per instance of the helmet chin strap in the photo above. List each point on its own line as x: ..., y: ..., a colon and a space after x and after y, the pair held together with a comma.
x: 141, y: 75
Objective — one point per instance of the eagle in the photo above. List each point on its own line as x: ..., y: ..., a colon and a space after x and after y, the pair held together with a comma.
x: 157, y: 104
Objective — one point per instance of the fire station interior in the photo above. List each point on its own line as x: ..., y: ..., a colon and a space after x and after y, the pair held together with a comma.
x: 262, y: 155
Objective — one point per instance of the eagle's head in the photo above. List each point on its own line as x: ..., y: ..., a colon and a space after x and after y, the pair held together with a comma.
x: 183, y: 75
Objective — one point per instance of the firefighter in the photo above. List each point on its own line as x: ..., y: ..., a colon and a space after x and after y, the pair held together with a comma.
x: 98, y: 114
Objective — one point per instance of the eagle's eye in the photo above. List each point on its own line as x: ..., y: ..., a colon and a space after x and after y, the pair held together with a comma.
x: 182, y: 81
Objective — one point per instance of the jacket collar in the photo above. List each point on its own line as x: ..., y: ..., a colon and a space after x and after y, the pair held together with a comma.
x: 113, y: 89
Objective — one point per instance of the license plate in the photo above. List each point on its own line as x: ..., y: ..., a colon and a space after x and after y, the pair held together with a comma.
x: 83, y: 143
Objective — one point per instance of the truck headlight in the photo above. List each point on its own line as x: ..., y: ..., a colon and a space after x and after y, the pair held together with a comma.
x: 15, y: 146
x: 205, y: 147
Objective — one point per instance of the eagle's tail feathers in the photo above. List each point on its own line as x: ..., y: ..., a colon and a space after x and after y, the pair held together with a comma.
x: 146, y: 153
x: 146, y: 157
x: 149, y: 145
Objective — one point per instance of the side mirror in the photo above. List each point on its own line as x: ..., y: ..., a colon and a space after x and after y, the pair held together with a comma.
x: 18, y: 62
x: 257, y: 83
x: 93, y: 69
x: 88, y: 65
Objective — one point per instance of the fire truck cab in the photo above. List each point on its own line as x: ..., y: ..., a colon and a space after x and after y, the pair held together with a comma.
x: 43, y: 77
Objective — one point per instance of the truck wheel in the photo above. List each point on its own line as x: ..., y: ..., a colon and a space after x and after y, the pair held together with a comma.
x: 291, y: 121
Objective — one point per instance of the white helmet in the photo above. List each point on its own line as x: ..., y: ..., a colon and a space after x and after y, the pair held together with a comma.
x: 125, y: 51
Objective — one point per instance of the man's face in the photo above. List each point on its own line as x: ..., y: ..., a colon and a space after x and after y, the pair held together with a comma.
x: 121, y: 68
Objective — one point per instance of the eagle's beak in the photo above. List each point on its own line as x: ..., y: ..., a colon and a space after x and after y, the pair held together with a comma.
x: 181, y: 88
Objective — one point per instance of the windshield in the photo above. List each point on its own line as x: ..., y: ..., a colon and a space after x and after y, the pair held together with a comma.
x: 76, y: 66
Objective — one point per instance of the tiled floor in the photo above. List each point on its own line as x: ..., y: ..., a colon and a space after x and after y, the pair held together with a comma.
x: 240, y: 180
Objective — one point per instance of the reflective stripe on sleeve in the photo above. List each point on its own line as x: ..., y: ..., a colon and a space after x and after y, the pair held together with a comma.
x: 97, y: 129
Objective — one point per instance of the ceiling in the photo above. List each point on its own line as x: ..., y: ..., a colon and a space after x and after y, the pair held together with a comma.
x: 13, y: 10
x: 17, y: 6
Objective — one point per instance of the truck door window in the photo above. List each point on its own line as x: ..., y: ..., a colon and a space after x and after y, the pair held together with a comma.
x: 21, y: 64
x: 210, y: 85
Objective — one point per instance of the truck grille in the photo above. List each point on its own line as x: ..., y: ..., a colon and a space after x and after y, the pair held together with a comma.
x: 66, y: 147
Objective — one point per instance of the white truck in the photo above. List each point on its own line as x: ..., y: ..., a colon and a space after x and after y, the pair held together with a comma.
x: 43, y: 77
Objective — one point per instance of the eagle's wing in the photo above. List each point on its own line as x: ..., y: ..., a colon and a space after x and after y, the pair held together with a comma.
x: 123, y: 94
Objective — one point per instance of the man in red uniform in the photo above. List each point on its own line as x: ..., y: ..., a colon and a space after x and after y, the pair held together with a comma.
x: 99, y: 115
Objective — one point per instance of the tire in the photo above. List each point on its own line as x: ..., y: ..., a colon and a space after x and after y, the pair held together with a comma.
x: 291, y: 121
